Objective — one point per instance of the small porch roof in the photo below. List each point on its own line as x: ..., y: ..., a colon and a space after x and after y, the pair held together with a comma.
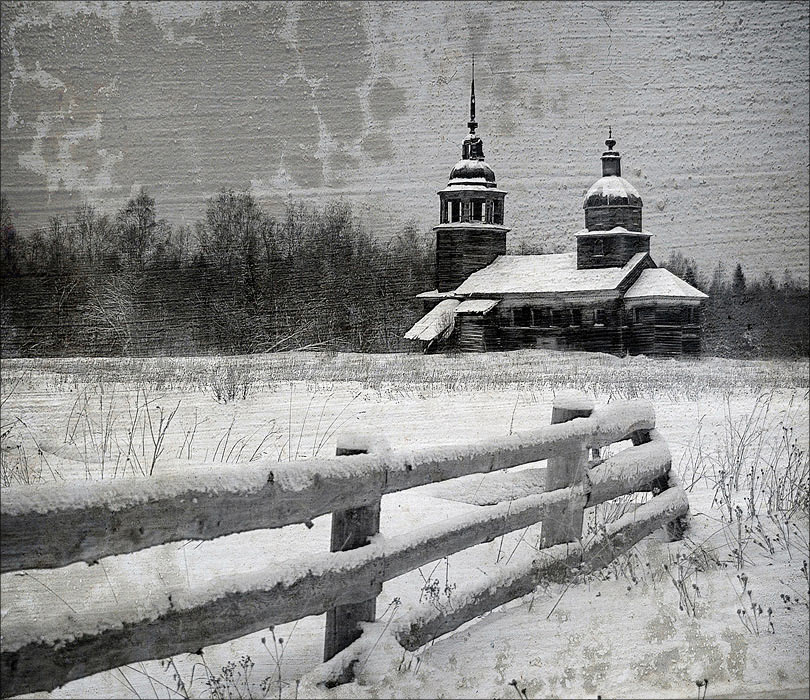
x: 477, y: 306
x: 434, y: 323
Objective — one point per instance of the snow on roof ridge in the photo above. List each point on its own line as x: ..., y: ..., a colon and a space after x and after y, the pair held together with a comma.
x: 436, y: 294
x: 615, y: 229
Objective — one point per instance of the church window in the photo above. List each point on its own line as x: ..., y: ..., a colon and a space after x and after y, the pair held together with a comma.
x: 599, y: 317
x: 477, y: 210
x: 598, y: 248
x: 559, y: 317
x: 576, y: 317
x: 523, y: 316
x: 542, y: 317
x: 443, y: 213
x: 455, y: 210
x: 498, y: 213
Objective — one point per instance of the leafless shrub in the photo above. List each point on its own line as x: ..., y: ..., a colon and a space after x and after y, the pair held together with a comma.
x: 230, y: 382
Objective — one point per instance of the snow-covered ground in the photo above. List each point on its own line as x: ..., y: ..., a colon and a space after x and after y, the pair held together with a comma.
x: 654, y: 623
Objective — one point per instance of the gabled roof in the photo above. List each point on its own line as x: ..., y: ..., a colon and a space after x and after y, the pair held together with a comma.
x: 435, y: 322
x: 658, y: 282
x: 536, y: 274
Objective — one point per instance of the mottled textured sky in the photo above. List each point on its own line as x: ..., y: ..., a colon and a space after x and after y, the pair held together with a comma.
x: 368, y: 102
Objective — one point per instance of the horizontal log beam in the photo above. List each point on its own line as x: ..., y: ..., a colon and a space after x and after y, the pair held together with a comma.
x: 633, y: 469
x: 553, y: 563
x: 423, y: 624
x: 50, y: 651
x: 53, y: 525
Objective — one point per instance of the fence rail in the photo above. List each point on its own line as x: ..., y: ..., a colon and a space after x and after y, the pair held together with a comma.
x: 55, y: 525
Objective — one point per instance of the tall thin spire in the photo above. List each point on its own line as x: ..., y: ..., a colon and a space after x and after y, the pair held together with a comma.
x: 472, y: 124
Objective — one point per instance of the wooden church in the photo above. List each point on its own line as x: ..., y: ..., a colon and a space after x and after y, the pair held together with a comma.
x: 608, y: 296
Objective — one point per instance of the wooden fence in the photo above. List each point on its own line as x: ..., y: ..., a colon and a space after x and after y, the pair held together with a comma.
x: 54, y: 525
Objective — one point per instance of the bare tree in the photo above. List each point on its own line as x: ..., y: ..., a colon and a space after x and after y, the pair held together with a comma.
x: 9, y: 263
x: 143, y: 238
x: 95, y: 237
x: 235, y: 232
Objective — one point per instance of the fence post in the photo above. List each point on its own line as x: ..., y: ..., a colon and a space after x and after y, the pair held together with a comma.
x: 352, y: 528
x: 566, y: 470
x: 675, y: 528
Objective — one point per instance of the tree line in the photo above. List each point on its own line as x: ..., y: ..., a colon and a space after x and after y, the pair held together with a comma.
x: 239, y: 281
x: 242, y: 281
x: 746, y: 316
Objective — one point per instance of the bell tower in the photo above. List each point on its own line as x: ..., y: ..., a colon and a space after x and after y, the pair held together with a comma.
x: 470, y: 234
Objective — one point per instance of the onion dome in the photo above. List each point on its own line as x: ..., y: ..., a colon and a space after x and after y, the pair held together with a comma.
x: 472, y: 172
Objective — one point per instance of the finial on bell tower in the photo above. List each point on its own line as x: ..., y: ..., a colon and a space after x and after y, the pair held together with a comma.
x: 472, y: 124
x: 473, y: 147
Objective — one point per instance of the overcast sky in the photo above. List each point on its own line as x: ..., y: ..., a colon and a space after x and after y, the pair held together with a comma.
x: 708, y: 103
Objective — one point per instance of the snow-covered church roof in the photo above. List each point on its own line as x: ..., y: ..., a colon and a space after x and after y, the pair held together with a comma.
x: 658, y: 282
x: 533, y: 274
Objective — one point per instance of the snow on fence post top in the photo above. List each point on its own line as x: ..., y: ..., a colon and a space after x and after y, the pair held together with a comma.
x: 574, y: 400
x: 351, y: 442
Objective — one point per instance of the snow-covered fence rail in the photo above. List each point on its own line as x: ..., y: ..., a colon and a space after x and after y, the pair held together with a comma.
x: 56, y: 525
x: 61, y: 523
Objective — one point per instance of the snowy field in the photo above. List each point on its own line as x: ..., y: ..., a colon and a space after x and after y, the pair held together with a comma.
x: 729, y: 604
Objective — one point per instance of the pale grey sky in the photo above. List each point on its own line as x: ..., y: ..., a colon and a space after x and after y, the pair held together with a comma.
x: 708, y: 103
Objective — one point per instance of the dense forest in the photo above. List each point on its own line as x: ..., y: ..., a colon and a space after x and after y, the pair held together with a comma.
x: 241, y: 281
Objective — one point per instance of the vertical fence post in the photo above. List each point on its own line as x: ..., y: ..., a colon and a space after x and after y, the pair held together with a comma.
x: 566, y: 470
x: 676, y: 528
x: 352, y: 528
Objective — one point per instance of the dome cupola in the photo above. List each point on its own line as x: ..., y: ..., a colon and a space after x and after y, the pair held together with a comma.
x: 472, y: 172
x: 612, y: 201
x: 612, y: 234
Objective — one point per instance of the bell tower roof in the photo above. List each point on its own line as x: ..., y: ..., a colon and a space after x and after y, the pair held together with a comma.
x: 471, y: 169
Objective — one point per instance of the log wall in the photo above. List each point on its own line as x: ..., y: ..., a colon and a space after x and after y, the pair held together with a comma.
x: 462, y: 251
